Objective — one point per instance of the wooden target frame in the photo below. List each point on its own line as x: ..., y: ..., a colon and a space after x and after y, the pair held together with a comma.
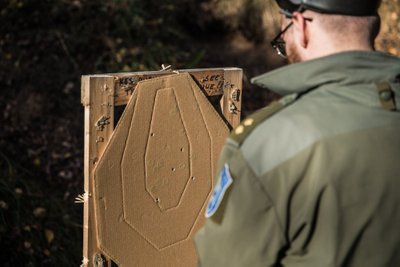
x: 105, y: 96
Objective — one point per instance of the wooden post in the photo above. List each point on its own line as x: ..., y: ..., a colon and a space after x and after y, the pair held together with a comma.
x: 231, y: 101
x: 98, y: 101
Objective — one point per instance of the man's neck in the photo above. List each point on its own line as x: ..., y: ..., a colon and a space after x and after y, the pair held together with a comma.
x: 329, y: 48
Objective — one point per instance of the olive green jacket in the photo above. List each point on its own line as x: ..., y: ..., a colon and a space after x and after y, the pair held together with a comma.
x: 316, y: 183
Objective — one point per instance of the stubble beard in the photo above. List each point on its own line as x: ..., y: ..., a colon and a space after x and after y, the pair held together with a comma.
x: 292, y: 52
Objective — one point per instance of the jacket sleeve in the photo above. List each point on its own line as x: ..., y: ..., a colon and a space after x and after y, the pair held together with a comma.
x: 244, y: 231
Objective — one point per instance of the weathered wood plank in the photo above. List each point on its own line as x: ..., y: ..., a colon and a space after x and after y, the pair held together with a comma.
x: 98, y: 100
x: 231, y: 101
x: 211, y: 81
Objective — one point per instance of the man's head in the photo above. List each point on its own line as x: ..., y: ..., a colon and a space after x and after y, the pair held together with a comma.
x: 315, y: 28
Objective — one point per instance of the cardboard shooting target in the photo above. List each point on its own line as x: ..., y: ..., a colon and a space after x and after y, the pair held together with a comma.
x: 153, y: 181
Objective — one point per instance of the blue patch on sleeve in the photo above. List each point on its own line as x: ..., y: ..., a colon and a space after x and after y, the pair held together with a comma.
x: 225, y: 180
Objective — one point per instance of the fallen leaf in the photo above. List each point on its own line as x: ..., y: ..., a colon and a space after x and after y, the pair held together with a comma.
x: 3, y: 205
x: 39, y: 212
x: 36, y: 162
x: 27, y: 244
x: 46, y: 252
x: 18, y: 191
x: 49, y: 235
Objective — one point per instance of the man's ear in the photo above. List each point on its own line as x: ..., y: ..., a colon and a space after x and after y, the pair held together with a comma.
x: 301, y: 31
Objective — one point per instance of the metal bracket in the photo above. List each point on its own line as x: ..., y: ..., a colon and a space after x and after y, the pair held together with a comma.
x: 232, y: 108
x: 98, y: 260
x: 235, y: 95
x: 102, y: 122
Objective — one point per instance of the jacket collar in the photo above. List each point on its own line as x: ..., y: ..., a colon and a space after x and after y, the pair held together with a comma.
x: 342, y: 68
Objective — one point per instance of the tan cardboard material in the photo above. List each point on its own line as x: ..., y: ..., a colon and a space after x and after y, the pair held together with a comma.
x: 155, y: 176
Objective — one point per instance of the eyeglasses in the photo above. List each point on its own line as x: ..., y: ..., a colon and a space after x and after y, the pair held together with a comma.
x: 278, y: 43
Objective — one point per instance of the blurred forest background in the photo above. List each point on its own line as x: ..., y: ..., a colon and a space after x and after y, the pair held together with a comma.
x: 46, y: 45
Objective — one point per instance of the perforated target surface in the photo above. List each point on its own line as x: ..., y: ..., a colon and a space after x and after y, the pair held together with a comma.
x: 152, y: 183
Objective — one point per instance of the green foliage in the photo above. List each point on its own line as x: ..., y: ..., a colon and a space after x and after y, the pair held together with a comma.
x: 45, y: 46
x: 90, y: 36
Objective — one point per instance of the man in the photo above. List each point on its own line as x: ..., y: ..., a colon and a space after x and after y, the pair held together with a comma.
x: 314, y: 179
